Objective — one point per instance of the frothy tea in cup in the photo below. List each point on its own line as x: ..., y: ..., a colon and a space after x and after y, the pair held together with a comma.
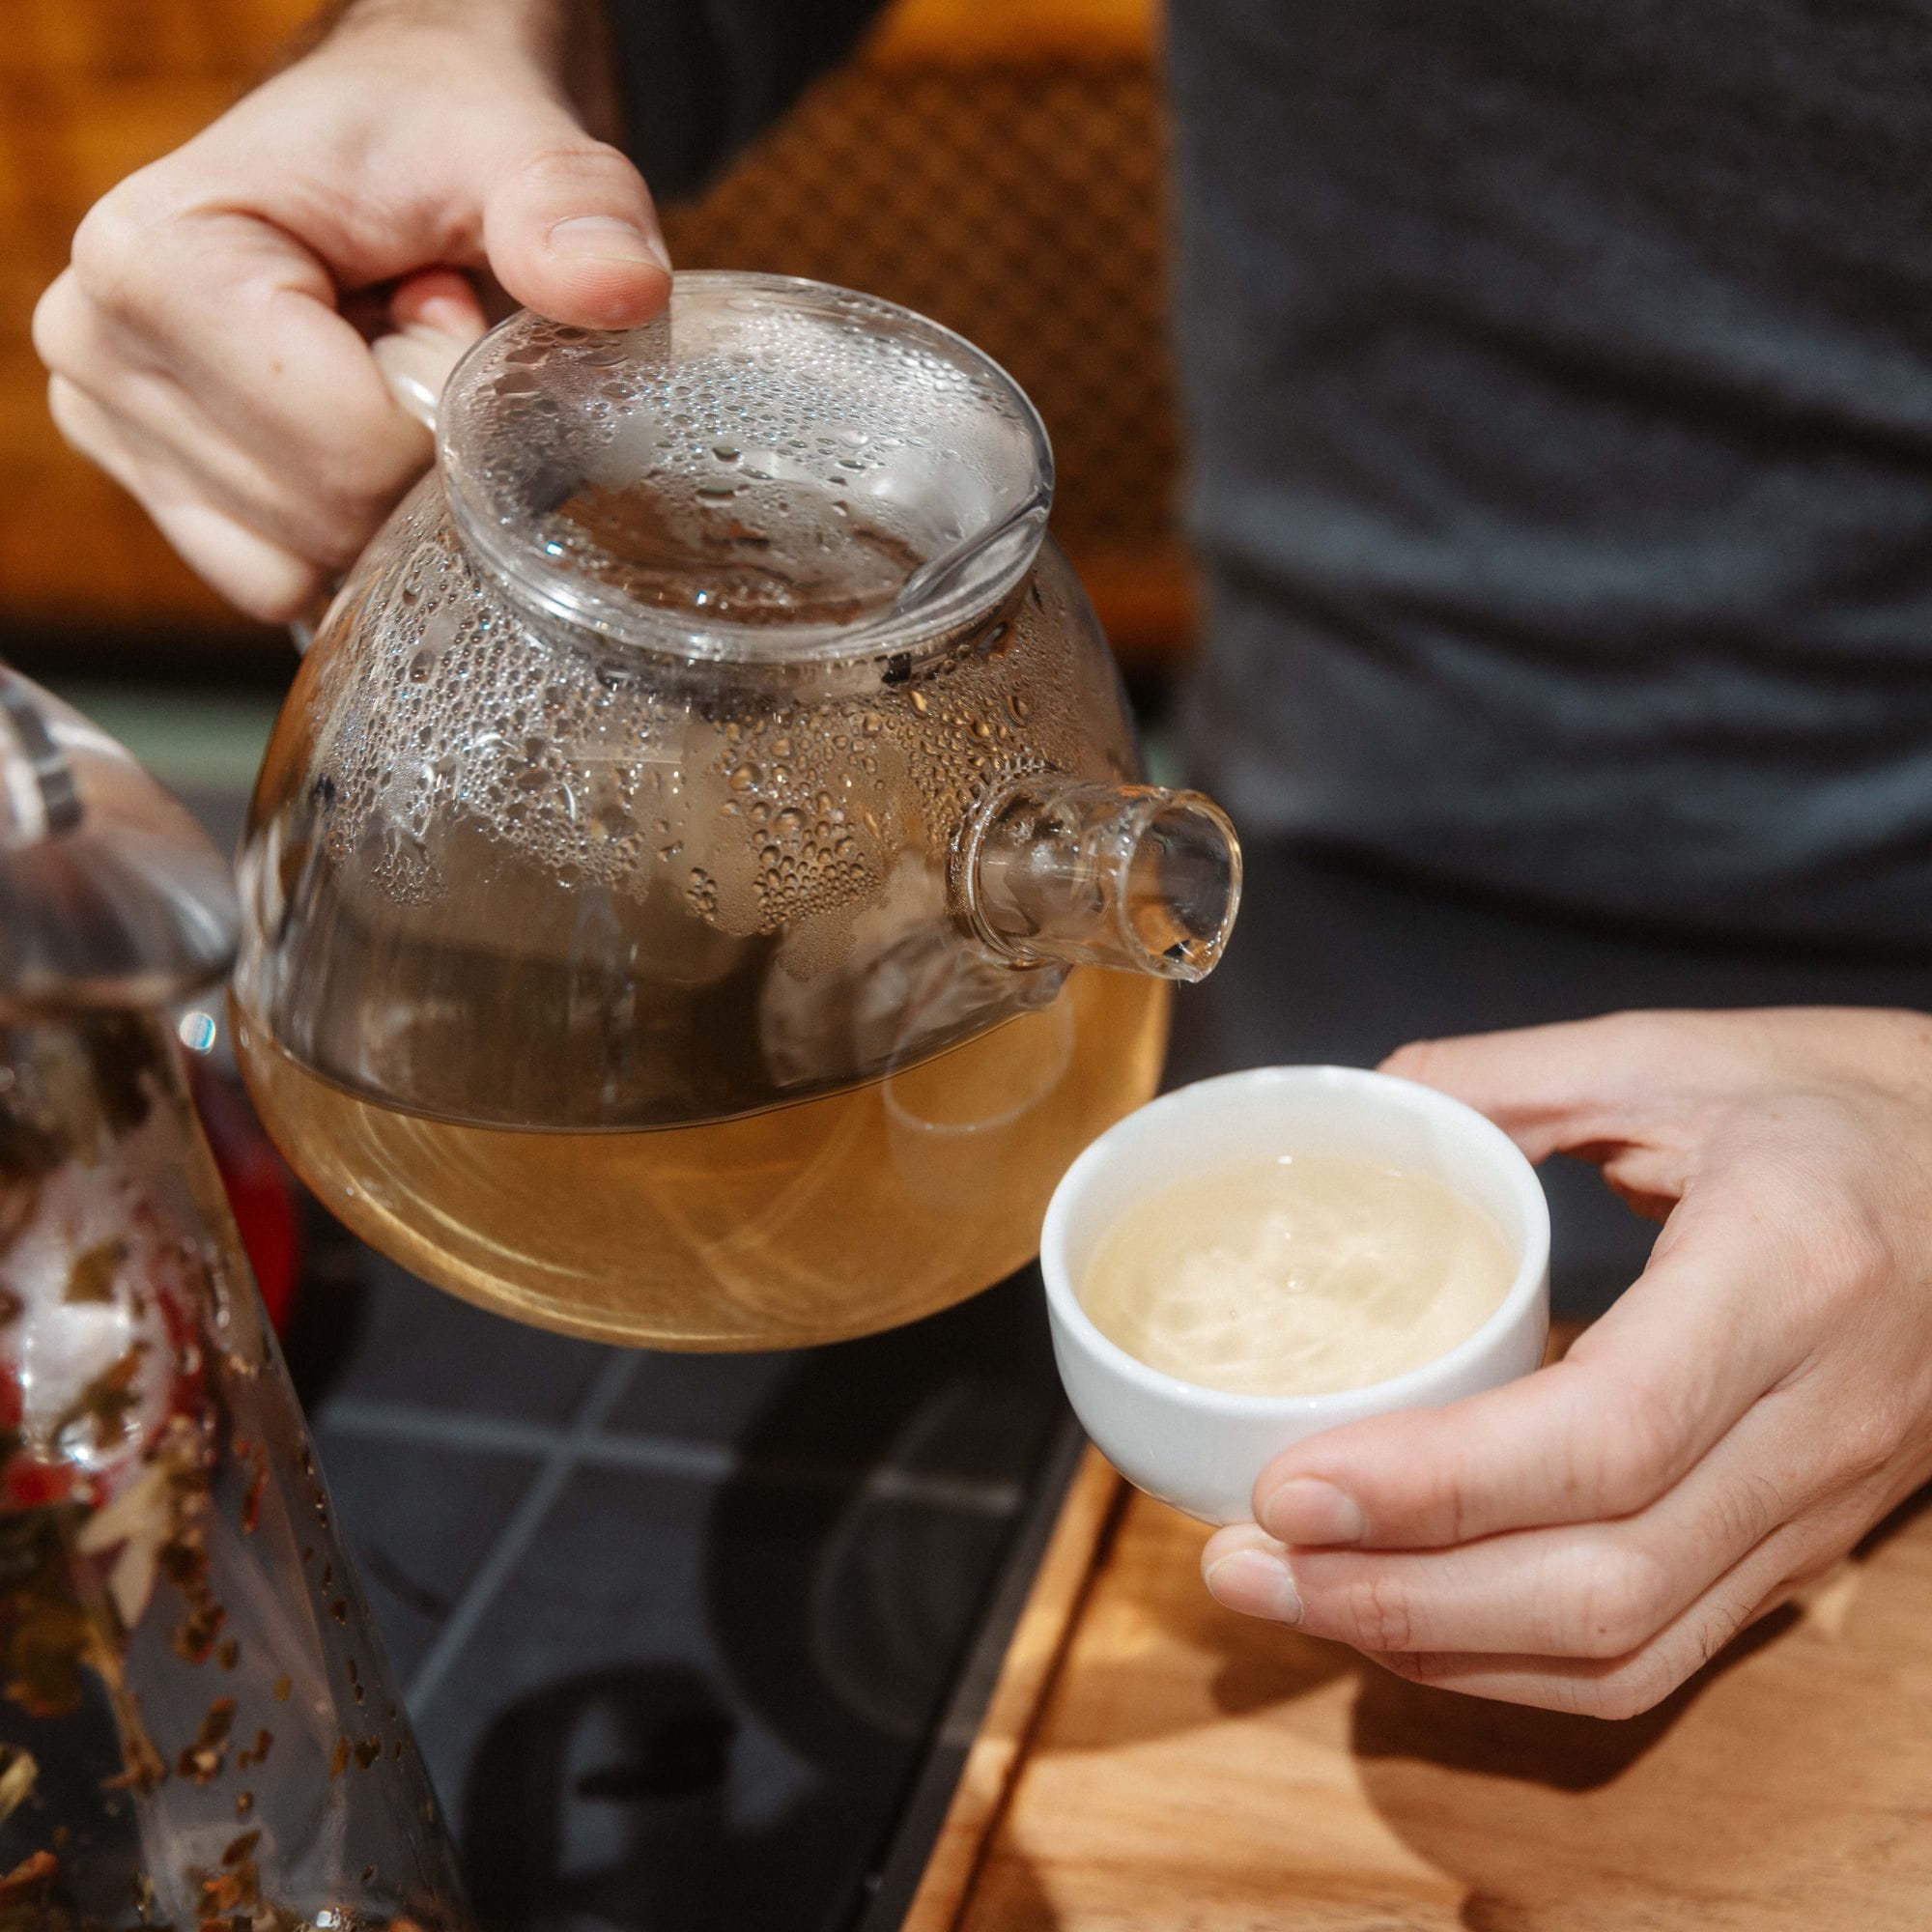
x: 1302, y: 1274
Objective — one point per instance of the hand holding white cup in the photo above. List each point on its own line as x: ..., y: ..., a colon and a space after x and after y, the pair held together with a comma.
x: 1200, y: 1448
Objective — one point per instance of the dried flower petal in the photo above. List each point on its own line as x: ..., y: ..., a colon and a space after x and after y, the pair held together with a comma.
x: 251, y: 1502
x: 222, y: 1891
x: 18, y: 1775
x: 34, y: 1873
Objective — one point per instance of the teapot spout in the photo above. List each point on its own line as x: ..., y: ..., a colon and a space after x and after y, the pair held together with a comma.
x: 1135, y: 877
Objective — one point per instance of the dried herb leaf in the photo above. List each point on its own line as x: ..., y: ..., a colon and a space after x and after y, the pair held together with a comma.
x: 185, y: 1562
x: 200, y: 1762
x: 90, y: 1277
x: 194, y: 1640
x: 140, y: 1519
x: 32, y: 1899
x: 100, y: 1415
x: 226, y: 1891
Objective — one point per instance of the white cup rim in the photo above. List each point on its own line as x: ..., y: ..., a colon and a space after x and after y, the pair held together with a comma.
x: 1410, y: 1389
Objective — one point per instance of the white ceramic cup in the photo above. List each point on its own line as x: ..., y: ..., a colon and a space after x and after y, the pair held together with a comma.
x: 1199, y: 1448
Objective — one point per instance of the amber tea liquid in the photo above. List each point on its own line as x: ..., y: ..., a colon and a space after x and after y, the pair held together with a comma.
x: 794, y: 1225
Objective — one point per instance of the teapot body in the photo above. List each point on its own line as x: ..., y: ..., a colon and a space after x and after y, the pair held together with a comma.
x: 665, y: 957
x: 681, y: 889
x: 537, y: 879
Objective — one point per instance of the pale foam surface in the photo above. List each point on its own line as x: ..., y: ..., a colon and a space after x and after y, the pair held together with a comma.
x: 1297, y: 1276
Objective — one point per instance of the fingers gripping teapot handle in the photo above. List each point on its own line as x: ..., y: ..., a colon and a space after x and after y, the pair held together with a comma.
x: 416, y: 362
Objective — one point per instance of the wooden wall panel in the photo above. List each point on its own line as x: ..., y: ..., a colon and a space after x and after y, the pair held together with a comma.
x: 996, y: 163
x: 91, y: 90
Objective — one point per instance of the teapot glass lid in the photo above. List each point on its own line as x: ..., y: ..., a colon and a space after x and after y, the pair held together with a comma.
x: 771, y: 470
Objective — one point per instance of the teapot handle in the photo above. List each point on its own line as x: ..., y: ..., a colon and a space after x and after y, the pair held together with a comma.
x: 416, y: 362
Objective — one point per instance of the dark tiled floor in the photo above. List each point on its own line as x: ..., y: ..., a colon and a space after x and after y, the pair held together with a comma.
x: 695, y: 1695
x: 675, y: 1631
x: 951, y: 1397
x: 420, y: 1519
x: 421, y: 1350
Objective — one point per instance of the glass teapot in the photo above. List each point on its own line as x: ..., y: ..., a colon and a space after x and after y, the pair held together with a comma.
x: 698, y: 892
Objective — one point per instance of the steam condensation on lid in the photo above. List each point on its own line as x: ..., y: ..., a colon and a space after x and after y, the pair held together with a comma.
x: 743, y: 460
x: 454, y: 728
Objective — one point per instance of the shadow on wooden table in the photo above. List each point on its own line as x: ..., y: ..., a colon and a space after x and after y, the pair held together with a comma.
x: 1395, y: 1718
x: 1768, y: 1786
x: 1193, y: 1771
x: 1572, y: 1754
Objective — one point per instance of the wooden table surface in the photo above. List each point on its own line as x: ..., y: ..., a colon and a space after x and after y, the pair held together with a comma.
x: 1151, y: 1761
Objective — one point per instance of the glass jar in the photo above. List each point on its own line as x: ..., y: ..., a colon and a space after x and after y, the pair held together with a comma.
x: 196, y: 1725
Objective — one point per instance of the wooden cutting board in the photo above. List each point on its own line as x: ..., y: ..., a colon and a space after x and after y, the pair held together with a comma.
x: 1151, y: 1761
